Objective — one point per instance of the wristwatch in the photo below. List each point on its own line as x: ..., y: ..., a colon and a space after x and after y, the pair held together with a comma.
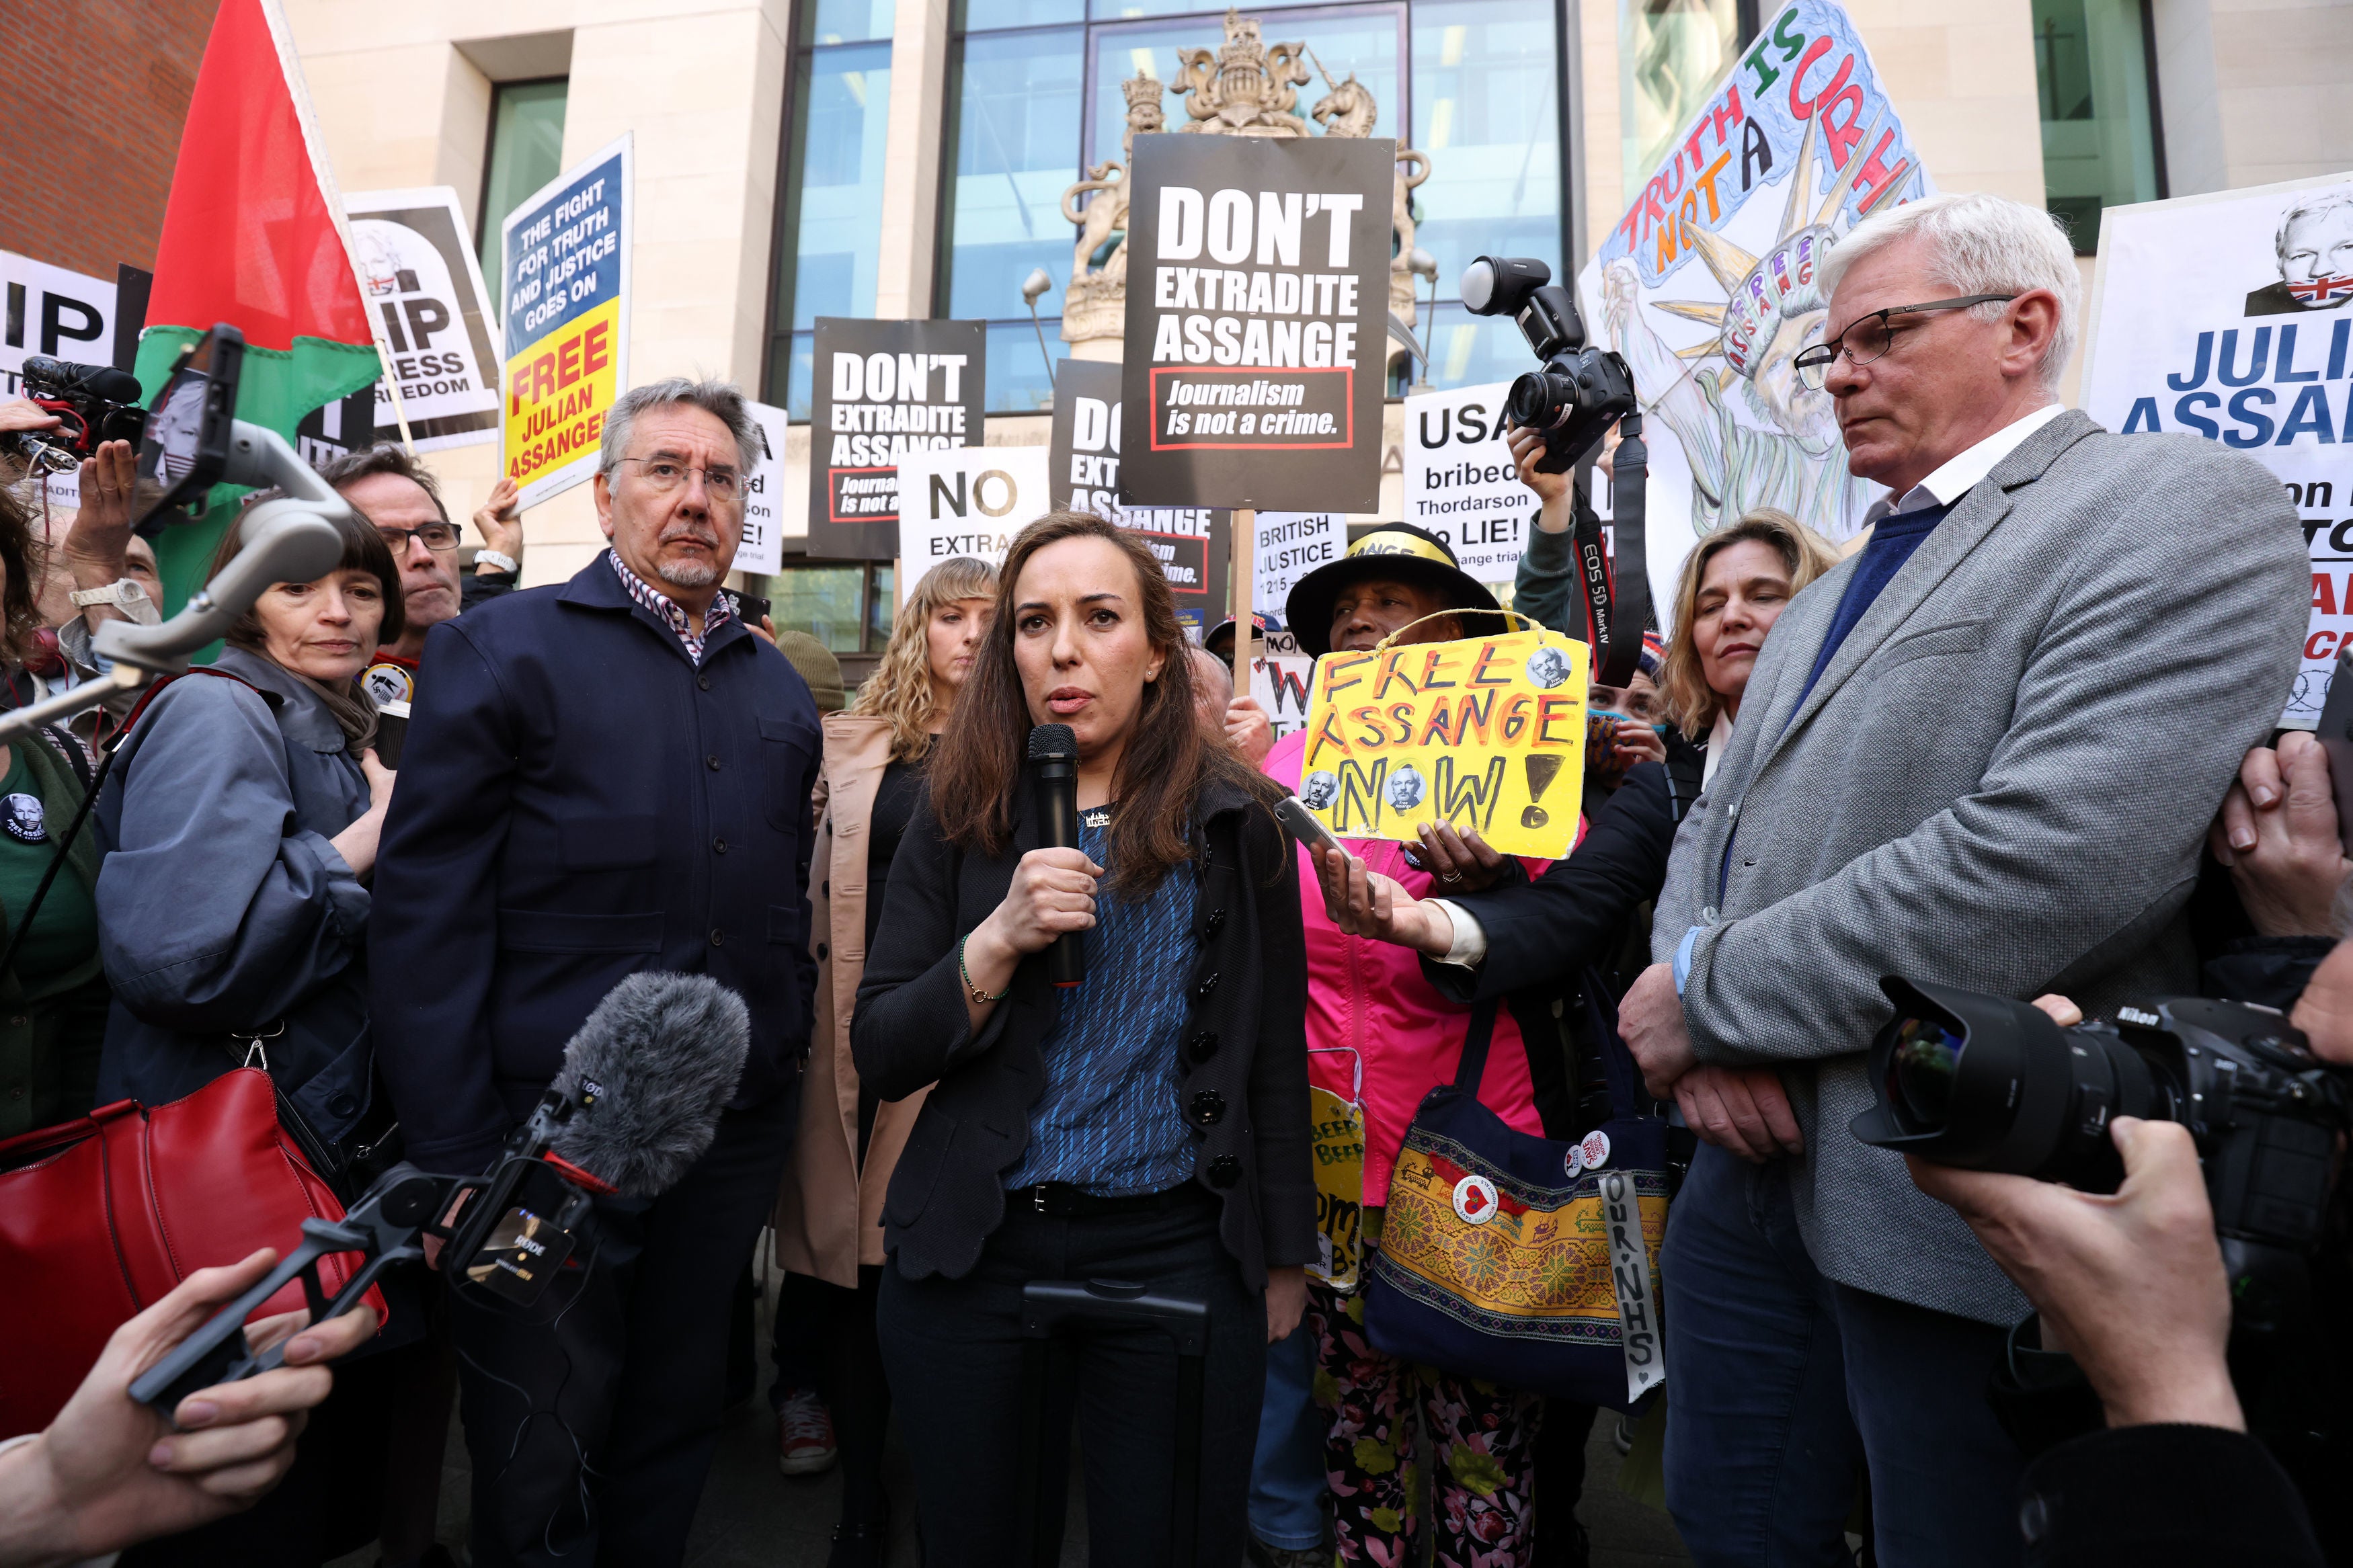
x: 496, y: 560
x: 123, y: 594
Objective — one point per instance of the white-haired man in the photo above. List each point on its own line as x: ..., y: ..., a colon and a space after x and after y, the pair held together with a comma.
x: 602, y: 777
x: 1984, y: 753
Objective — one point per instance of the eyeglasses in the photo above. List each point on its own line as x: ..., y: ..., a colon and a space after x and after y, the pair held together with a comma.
x: 664, y: 475
x: 1868, y: 337
x: 440, y: 537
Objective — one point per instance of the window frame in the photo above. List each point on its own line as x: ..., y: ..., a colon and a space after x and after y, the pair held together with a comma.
x: 482, y: 219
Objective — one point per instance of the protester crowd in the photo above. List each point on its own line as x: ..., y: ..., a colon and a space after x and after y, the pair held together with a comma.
x: 2021, y: 741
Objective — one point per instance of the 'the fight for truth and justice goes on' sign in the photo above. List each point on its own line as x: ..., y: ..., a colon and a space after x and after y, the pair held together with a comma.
x: 1256, y: 321
x: 565, y: 287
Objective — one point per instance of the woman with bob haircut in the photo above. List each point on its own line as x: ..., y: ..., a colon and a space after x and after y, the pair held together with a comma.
x: 831, y: 1394
x: 1149, y: 1125
x: 240, y: 819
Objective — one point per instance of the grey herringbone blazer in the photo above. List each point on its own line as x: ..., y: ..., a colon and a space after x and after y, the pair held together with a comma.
x: 2001, y: 782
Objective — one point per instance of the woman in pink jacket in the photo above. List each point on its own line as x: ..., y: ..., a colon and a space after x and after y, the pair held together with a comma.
x: 1374, y: 1021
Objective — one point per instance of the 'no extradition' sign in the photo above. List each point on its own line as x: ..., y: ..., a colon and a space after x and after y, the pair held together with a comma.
x: 1460, y: 482
x: 1256, y: 321
x: 565, y: 285
x: 883, y: 389
x: 966, y: 501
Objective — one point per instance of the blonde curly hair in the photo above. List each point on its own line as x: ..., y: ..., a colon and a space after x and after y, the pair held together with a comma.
x: 1683, y: 690
x: 900, y: 689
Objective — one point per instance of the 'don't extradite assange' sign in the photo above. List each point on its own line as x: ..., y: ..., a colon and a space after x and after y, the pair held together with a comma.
x: 564, y: 283
x: 1256, y: 321
x: 882, y: 390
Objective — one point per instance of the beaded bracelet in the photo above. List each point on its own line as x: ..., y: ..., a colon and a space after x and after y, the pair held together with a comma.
x: 977, y: 993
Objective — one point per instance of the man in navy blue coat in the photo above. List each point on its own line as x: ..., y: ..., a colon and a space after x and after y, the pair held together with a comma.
x: 599, y: 778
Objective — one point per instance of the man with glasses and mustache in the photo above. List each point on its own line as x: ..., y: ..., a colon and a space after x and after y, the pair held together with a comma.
x: 603, y: 776
x: 399, y: 495
x: 1984, y: 752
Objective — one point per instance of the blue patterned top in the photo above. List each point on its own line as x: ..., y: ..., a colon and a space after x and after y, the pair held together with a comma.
x: 1109, y: 1120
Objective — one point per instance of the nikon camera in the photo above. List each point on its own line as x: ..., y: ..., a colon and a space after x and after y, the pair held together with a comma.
x: 1990, y: 1084
x: 1581, y: 391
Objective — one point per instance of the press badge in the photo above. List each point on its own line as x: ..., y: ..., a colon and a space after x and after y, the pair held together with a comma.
x: 1339, y: 1140
x: 520, y: 1256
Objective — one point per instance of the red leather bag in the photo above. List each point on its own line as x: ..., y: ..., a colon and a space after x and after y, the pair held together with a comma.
x: 101, y: 1216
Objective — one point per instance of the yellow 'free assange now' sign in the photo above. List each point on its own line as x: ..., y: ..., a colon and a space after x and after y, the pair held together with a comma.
x: 1486, y: 733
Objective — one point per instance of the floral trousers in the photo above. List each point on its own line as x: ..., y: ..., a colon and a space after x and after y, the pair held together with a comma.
x: 1482, y: 1436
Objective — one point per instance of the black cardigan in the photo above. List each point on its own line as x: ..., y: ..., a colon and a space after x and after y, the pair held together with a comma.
x: 1244, y: 1090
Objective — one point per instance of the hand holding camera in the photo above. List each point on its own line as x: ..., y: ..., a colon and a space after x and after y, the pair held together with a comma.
x: 2278, y: 833
x: 2131, y: 1284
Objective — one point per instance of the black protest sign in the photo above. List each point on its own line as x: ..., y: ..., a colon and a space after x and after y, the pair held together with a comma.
x: 883, y: 389
x: 1082, y: 456
x: 1082, y: 462
x: 1258, y: 321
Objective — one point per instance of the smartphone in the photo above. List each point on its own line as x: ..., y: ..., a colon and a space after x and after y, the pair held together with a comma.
x: 1292, y: 813
x: 185, y: 443
x: 391, y: 732
x: 750, y: 608
x: 2334, y: 734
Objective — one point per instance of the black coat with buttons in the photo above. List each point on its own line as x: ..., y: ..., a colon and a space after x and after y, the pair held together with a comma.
x: 1244, y: 1085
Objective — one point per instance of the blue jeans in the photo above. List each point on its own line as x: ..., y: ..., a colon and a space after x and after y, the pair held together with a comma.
x: 1286, y: 1491
x: 1783, y: 1387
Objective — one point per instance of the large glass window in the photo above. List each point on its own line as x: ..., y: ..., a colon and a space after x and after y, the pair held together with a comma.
x: 833, y: 213
x: 2099, y: 117
x: 846, y: 606
x: 1669, y: 53
x: 526, y: 151
x: 1015, y: 129
x: 1036, y: 99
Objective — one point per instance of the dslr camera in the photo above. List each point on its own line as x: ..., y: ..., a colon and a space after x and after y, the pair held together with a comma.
x: 93, y: 403
x: 1990, y: 1084
x: 1581, y: 391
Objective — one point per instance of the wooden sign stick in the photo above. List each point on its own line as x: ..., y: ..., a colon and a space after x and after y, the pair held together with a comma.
x: 1243, y: 546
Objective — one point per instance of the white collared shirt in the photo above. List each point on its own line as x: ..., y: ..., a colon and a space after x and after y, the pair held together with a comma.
x: 1960, y: 475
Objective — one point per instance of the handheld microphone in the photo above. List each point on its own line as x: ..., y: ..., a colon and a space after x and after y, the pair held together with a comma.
x: 636, y: 1104
x: 1054, y: 766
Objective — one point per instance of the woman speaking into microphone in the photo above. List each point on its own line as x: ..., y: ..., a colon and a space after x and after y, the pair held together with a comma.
x: 1148, y: 1124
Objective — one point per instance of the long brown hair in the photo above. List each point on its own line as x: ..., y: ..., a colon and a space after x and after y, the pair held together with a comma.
x: 1688, y: 698
x: 24, y: 559
x: 900, y: 689
x: 976, y: 772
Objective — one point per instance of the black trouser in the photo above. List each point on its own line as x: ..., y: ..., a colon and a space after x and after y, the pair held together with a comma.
x: 624, y: 1377
x: 825, y: 1340
x: 953, y: 1348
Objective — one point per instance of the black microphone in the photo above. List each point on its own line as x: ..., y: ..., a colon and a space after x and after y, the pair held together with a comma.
x: 651, y: 1069
x: 95, y: 380
x: 1054, y: 762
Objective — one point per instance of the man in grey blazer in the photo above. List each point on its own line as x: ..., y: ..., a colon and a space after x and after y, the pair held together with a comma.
x: 1984, y: 752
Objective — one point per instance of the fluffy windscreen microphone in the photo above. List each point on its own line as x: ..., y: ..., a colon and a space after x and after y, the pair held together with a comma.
x: 651, y: 1069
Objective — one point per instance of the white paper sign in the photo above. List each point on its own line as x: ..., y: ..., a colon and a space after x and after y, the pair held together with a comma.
x: 45, y: 309
x: 426, y: 301
x: 2230, y: 317
x: 966, y: 501
x: 1460, y: 483
x: 1279, y: 682
x: 1291, y: 544
x: 762, y: 548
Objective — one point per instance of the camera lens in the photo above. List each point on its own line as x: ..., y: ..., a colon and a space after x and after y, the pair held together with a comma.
x: 1542, y: 400
x: 1924, y: 1069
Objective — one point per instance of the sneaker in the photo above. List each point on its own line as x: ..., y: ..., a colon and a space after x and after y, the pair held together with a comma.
x: 805, y: 1443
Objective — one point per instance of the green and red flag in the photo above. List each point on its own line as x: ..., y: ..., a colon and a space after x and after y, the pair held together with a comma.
x: 253, y: 235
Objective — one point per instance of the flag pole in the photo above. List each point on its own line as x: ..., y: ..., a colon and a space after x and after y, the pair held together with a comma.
x: 1244, y: 548
x: 298, y: 87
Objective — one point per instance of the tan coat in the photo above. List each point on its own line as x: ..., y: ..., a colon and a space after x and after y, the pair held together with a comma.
x: 829, y: 1215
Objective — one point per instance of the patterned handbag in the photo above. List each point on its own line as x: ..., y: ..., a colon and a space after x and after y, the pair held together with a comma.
x: 1519, y: 1260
